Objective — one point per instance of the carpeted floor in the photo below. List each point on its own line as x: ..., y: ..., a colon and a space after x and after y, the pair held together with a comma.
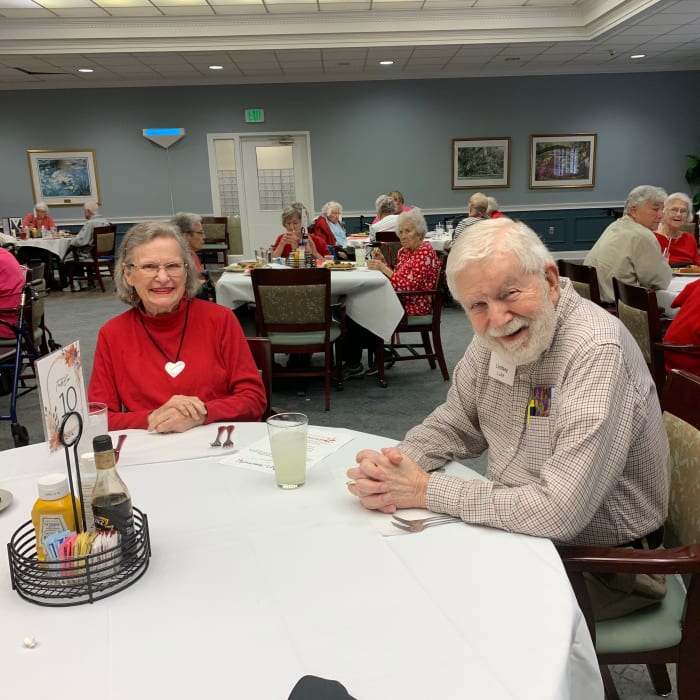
x: 414, y: 390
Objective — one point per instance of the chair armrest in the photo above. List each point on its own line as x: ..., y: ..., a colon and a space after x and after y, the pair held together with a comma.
x: 686, y: 349
x: 681, y: 560
x: 417, y: 293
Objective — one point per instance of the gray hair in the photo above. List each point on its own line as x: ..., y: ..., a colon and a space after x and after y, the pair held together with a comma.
x: 493, y: 205
x: 185, y: 221
x: 384, y: 204
x: 416, y: 219
x: 642, y: 194
x: 92, y: 206
x: 682, y: 196
x: 328, y: 207
x: 483, y: 239
x: 41, y: 206
x: 291, y: 211
x: 479, y: 203
x: 139, y: 235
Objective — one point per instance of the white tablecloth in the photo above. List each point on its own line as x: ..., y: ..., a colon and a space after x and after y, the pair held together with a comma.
x: 371, y: 300
x: 56, y: 246
x: 665, y: 297
x: 251, y: 587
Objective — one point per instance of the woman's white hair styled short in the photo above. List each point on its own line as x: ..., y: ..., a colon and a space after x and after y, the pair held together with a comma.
x: 385, y: 205
x: 139, y: 235
x: 684, y: 198
x: 415, y: 218
x: 328, y: 207
x: 644, y: 193
x: 481, y: 240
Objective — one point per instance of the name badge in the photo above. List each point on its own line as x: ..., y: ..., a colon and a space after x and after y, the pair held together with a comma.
x: 500, y: 370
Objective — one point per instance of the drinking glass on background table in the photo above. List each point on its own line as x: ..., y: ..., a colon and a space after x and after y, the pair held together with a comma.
x: 94, y: 424
x: 360, y: 255
x: 288, y: 433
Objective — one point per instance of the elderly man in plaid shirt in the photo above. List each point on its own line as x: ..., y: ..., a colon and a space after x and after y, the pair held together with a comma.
x: 559, y: 394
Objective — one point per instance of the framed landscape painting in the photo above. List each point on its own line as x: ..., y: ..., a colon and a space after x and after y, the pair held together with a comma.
x: 480, y: 163
x: 64, y: 178
x: 562, y: 161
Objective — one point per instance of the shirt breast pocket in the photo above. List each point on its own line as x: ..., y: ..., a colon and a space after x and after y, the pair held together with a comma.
x: 538, y: 446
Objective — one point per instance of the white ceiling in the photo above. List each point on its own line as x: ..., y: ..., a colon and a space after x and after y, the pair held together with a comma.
x: 173, y: 42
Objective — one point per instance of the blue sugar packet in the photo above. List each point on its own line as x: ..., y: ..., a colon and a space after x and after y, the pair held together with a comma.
x: 53, y: 542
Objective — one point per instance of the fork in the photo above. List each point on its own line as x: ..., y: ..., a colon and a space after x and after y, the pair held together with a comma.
x: 422, y: 523
x: 228, y: 442
x: 217, y: 442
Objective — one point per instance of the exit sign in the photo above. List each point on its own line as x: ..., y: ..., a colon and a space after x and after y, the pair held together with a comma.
x: 254, y: 116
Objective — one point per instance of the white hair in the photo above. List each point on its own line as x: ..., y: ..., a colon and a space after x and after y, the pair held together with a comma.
x: 684, y: 198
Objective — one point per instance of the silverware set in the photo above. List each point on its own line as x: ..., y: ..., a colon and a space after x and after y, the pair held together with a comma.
x: 421, y: 523
x: 227, y: 442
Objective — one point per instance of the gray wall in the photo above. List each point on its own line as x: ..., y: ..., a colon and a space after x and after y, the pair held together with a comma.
x: 366, y: 138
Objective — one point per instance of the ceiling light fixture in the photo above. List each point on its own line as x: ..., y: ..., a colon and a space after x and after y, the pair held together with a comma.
x: 216, y: 67
x: 638, y: 55
x: 386, y: 63
x: 85, y: 70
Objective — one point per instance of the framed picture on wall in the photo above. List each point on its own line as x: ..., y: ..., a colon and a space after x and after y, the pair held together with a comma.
x: 480, y: 163
x: 564, y: 160
x: 64, y: 178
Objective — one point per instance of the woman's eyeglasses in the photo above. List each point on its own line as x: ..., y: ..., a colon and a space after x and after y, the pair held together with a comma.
x: 173, y: 269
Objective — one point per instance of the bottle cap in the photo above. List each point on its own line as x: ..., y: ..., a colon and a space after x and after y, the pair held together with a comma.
x: 52, y: 486
x: 101, y: 443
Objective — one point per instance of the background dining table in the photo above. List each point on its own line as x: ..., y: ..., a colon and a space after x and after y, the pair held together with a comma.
x: 251, y: 587
x: 57, y: 247
x: 370, y: 298
x: 665, y: 297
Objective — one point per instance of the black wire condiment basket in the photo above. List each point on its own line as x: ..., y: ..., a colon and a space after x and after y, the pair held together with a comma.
x: 84, y: 579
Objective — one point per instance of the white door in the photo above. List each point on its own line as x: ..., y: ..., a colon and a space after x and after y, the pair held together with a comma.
x: 255, y: 177
x: 275, y: 171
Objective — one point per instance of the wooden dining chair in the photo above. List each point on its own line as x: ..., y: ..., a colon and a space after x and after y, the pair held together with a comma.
x: 584, y: 279
x: 638, y: 310
x: 216, y: 240
x: 261, y: 350
x: 100, y: 261
x: 428, y: 325
x: 668, y: 632
x: 293, y: 309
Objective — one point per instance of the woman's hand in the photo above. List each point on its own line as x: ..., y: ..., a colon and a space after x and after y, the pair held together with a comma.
x: 288, y: 239
x: 311, y: 247
x: 178, y: 414
x: 381, y: 266
x: 388, y: 480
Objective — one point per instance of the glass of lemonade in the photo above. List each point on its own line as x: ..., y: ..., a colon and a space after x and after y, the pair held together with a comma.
x: 360, y: 255
x: 287, y: 433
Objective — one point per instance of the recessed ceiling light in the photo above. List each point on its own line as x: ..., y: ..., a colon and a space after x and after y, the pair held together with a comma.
x: 216, y: 67
x: 386, y: 63
x: 85, y: 70
x: 638, y: 55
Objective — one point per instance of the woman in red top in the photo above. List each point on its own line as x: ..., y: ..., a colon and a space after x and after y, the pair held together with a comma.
x: 39, y: 218
x: 685, y: 329
x: 171, y: 362
x: 417, y: 268
x: 679, y: 247
x: 289, y: 241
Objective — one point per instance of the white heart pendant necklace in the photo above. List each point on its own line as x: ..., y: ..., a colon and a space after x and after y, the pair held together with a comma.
x: 172, y: 367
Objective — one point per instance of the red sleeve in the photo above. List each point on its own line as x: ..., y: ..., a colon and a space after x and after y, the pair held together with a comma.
x: 320, y: 244
x: 415, y: 272
x: 323, y: 230
x: 28, y: 221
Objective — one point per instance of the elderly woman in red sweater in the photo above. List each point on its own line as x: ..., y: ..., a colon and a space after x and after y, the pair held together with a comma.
x: 685, y: 329
x: 417, y: 267
x: 171, y: 362
x: 679, y: 247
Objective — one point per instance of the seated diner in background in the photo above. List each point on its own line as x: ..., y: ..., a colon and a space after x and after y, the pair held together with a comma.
x: 39, y: 218
x: 85, y: 237
x: 477, y: 207
x: 286, y: 243
x: 387, y: 216
x: 555, y: 390
x: 401, y: 206
x: 12, y: 278
x: 329, y: 226
x: 192, y: 230
x: 628, y: 250
x: 417, y: 268
x: 685, y: 330
x: 493, y: 211
x: 171, y: 362
x: 677, y: 246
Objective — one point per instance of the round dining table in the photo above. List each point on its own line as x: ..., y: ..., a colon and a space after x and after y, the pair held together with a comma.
x: 251, y: 587
x: 370, y: 298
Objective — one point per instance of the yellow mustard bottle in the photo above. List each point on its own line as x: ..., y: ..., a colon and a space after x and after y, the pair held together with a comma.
x: 53, y: 510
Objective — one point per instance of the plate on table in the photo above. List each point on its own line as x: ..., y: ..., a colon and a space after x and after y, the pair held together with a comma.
x: 5, y: 499
x: 340, y: 266
x: 690, y: 271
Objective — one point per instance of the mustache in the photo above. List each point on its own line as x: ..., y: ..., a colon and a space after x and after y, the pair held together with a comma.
x: 511, y: 327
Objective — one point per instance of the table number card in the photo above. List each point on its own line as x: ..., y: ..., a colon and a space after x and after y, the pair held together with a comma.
x: 61, y: 390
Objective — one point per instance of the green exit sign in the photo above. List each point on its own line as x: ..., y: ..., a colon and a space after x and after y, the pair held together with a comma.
x: 254, y: 116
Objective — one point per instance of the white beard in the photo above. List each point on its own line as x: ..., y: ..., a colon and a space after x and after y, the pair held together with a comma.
x: 534, y: 342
